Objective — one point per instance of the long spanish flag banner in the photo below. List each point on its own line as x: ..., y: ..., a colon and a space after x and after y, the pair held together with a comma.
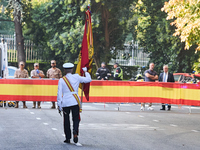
x: 104, y: 91
x: 87, y: 50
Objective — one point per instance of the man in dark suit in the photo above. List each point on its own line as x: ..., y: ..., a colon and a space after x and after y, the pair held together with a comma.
x: 166, y: 77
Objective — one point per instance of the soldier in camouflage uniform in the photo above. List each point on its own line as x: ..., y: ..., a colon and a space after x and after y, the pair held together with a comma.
x: 21, y: 73
x: 54, y: 73
x: 36, y: 73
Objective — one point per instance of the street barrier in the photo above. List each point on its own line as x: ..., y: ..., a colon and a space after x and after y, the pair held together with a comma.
x: 104, y: 91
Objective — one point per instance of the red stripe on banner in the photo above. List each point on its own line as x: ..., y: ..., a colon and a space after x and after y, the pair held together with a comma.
x: 102, y: 83
x: 132, y: 83
x: 30, y: 81
x: 158, y: 84
x: 105, y: 99
x: 109, y: 83
x: 190, y: 86
x: 141, y: 100
x: 27, y: 98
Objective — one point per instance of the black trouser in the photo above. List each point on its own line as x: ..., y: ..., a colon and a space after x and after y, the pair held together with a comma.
x: 75, y: 119
x: 163, y: 106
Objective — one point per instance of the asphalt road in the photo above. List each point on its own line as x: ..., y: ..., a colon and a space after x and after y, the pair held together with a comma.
x: 102, y: 127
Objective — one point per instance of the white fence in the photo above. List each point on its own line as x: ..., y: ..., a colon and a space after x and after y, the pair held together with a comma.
x: 30, y: 50
x: 132, y: 55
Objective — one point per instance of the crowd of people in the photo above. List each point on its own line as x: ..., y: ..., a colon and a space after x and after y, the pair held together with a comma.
x: 52, y: 73
x: 103, y: 73
x: 55, y: 73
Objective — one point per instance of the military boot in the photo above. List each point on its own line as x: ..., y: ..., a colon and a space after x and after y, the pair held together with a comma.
x: 39, y: 105
x: 75, y: 139
x: 53, y: 105
x: 34, y: 104
x: 169, y: 107
x: 163, y: 107
x: 17, y: 104
x: 24, y: 105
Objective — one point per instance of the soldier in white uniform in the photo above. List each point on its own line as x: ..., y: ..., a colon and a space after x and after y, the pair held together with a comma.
x: 68, y: 99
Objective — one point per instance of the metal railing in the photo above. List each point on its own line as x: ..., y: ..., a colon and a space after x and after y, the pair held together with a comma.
x: 132, y: 55
x: 29, y: 48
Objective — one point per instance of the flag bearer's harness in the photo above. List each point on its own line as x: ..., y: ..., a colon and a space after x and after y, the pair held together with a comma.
x: 72, y: 91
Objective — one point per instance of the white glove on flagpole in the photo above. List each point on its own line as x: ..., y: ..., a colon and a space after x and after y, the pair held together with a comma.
x: 84, y: 69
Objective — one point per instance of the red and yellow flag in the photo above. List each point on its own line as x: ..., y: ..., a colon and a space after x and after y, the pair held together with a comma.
x: 87, y: 50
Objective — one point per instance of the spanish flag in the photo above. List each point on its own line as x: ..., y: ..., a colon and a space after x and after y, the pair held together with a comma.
x: 87, y: 50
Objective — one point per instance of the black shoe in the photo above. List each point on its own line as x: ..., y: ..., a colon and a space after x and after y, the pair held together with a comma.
x: 169, y: 109
x: 75, y: 139
x: 163, y: 107
x: 67, y: 141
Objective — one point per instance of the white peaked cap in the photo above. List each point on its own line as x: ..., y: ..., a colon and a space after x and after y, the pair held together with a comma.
x: 68, y: 65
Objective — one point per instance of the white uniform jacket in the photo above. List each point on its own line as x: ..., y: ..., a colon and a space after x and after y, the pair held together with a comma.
x: 64, y: 96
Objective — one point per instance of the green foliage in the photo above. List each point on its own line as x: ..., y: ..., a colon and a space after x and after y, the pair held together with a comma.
x: 186, y: 14
x: 109, y: 27
x: 57, y: 28
x: 156, y: 36
x: 6, y: 26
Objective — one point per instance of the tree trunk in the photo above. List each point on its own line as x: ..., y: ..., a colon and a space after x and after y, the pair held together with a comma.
x: 19, y: 38
x: 180, y: 58
x: 96, y: 55
x: 105, y: 18
x: 96, y: 61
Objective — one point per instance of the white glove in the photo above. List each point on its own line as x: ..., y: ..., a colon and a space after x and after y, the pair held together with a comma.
x: 84, y: 69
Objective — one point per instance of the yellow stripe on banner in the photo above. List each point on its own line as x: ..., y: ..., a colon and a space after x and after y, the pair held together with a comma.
x: 134, y: 91
x: 193, y: 94
x: 104, y: 91
x: 26, y: 89
x: 154, y: 91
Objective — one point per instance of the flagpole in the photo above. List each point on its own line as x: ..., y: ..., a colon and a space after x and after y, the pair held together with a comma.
x: 82, y: 91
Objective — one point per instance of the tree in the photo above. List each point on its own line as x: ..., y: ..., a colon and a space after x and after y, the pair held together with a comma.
x: 6, y: 24
x: 109, y: 27
x: 56, y: 28
x: 186, y: 18
x: 16, y: 7
x: 156, y: 36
